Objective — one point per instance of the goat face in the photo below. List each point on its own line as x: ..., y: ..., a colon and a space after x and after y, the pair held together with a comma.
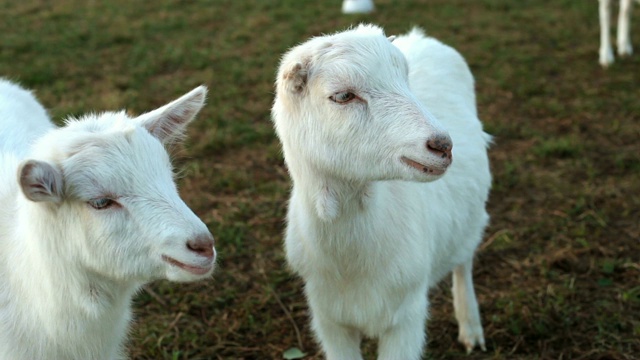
x: 107, y: 183
x: 343, y: 102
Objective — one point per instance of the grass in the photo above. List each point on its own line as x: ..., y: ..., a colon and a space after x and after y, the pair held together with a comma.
x: 558, y: 276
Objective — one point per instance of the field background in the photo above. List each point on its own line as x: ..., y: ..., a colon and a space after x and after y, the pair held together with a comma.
x: 558, y: 274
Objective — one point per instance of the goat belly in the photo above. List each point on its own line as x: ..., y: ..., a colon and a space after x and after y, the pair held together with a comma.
x: 371, y: 304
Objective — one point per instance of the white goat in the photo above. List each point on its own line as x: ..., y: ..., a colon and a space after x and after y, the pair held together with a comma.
x: 624, y: 29
x: 90, y: 212
x: 364, y: 231
x: 357, y: 6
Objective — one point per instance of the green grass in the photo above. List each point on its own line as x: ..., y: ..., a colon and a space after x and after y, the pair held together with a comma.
x: 558, y: 274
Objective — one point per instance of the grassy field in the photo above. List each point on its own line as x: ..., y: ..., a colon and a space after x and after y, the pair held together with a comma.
x: 558, y: 274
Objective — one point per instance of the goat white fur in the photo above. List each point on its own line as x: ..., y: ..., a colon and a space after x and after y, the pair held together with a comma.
x: 90, y: 212
x: 364, y: 230
x: 624, y: 29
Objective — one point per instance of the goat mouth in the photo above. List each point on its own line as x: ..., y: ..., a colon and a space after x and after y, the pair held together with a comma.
x: 196, y: 270
x: 422, y: 168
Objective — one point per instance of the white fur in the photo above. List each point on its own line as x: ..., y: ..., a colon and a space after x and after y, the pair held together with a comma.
x: 68, y: 271
x: 624, y: 29
x: 368, y: 233
x: 27, y: 117
x: 357, y: 6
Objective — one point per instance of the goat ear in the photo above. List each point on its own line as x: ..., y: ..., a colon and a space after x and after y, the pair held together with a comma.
x: 294, y: 78
x: 40, y: 181
x: 391, y: 38
x: 169, y: 122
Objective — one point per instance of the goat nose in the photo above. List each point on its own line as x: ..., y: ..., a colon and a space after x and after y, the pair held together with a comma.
x: 202, y: 245
x: 440, y: 146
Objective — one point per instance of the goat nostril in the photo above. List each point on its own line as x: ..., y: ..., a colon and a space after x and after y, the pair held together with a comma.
x: 440, y: 146
x: 202, y: 246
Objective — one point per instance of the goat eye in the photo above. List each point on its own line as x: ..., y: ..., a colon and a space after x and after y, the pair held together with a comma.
x: 101, y: 203
x: 342, y: 97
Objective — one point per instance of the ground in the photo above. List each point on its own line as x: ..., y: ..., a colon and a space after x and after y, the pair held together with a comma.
x: 558, y: 273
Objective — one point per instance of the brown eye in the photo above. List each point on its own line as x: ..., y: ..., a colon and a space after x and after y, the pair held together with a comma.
x: 343, y: 97
x: 101, y: 203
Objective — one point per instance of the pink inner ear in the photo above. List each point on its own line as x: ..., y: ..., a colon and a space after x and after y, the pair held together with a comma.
x: 38, y: 188
x: 173, y: 121
x: 167, y: 122
x: 40, y: 181
x: 169, y: 126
